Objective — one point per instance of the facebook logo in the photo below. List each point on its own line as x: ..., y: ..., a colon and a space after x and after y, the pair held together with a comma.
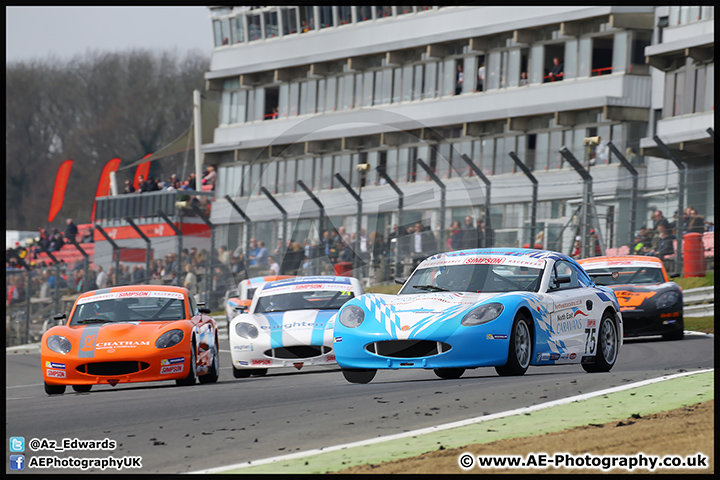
x: 17, y: 462
x: 17, y: 444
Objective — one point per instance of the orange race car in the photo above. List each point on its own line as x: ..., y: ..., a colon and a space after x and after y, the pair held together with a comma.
x: 650, y: 303
x: 131, y: 334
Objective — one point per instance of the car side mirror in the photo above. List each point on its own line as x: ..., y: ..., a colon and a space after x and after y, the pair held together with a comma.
x: 563, y: 279
x: 59, y: 316
x: 204, y: 310
x: 675, y: 275
x: 400, y: 281
x: 241, y: 308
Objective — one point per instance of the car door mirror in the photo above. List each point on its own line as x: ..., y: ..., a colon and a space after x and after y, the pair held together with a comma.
x: 59, y: 316
x: 557, y: 281
x: 241, y: 308
x: 675, y: 275
x: 400, y: 281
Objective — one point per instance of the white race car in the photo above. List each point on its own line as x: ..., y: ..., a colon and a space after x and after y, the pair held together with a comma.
x: 289, y: 324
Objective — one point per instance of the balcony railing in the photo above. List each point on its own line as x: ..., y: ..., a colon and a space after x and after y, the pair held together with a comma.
x: 144, y: 206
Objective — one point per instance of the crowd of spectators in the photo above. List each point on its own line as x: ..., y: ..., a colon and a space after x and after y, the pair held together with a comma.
x: 658, y: 240
x: 151, y: 184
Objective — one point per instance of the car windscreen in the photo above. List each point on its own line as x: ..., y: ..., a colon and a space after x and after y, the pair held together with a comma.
x: 630, y: 275
x: 303, y: 300
x: 132, y: 309
x: 473, y: 278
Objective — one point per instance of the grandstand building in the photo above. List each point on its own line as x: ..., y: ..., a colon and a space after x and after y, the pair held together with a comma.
x: 309, y: 92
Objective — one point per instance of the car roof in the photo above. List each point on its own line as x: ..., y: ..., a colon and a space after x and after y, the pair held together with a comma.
x: 630, y: 259
x: 267, y: 278
x: 135, y: 288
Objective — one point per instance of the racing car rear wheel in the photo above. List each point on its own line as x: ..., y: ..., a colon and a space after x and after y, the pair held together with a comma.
x: 449, y: 373
x: 359, y: 375
x: 607, y: 348
x: 192, y: 374
x: 214, y: 371
x: 54, y: 389
x: 520, y: 349
x: 82, y: 388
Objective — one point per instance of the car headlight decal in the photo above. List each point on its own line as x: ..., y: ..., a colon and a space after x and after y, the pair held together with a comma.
x: 169, y: 339
x: 59, y: 344
x: 352, y: 316
x: 666, y: 300
x: 246, y: 330
x: 482, y: 314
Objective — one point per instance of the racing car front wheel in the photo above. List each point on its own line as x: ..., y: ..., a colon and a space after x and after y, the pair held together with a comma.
x: 192, y: 374
x: 54, y: 389
x: 82, y: 388
x: 449, y: 373
x: 241, y: 373
x: 607, y: 348
x: 358, y: 375
x: 519, y: 350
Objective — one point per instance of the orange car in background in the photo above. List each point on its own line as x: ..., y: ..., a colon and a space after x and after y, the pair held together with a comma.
x: 131, y: 334
x: 650, y: 303
x: 242, y: 297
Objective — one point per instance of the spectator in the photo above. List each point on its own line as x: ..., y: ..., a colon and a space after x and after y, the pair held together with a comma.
x: 639, y: 248
x: 459, y: 78
x: 481, y: 77
x: 141, y: 183
x: 56, y: 241
x: 191, y: 183
x: 224, y: 255
x: 523, y: 79
x: 455, y: 241
x: 660, y: 220
x: 274, y: 267
x: 71, y: 231
x: 101, y: 278
x: 210, y: 177
x: 190, y: 281
x: 253, y: 252
x: 469, y: 234
x: 88, y: 236
x: 261, y: 258
x: 557, y: 71
x: 664, y: 246
x: 602, y: 153
x: 423, y: 240
x: 345, y: 253
x: 696, y: 223
x: 577, y: 248
x: 128, y: 187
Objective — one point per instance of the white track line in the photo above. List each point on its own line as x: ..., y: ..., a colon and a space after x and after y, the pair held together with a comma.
x: 447, y: 426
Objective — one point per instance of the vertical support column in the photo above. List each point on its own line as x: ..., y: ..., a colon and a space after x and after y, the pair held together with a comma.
x: 634, y: 193
x: 587, y: 196
x: 533, y: 210
x: 321, y: 218
x: 442, y: 200
x: 681, y: 201
x: 486, y: 181
x: 116, y: 252
x: 147, y: 246
x: 180, y: 236
x: 357, y: 259
x: 401, y: 204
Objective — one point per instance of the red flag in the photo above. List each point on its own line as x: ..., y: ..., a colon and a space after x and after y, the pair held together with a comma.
x: 58, y: 197
x: 142, y: 169
x: 103, y: 188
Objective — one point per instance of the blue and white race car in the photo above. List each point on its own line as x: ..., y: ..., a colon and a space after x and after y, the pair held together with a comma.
x: 507, y: 308
x: 289, y: 324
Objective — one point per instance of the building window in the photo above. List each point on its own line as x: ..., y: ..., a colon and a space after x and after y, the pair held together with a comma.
x: 448, y: 84
x: 289, y: 20
x: 364, y: 13
x: 382, y: 12
x: 418, y: 84
x: 553, y: 65
x: 326, y: 175
x: 397, y: 85
x: 602, y: 56
x: 430, y: 80
x: 344, y: 15
x: 541, y: 151
x: 290, y: 180
x: 346, y: 84
x: 404, y: 10
x: 283, y: 100
x: 307, y: 19
x: 367, y: 98
x: 238, y: 29
x: 272, y: 101
x: 358, y: 91
x: 271, y: 24
x: 254, y: 27
x: 326, y: 16
x: 294, y: 99
x: 221, y: 30
x: 331, y: 94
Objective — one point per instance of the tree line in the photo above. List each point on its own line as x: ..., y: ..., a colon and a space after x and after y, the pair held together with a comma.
x: 92, y: 108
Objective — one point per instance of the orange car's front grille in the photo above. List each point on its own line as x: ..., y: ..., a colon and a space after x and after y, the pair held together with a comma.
x: 112, y: 368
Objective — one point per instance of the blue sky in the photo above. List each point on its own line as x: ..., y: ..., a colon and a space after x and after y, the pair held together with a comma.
x: 36, y: 33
